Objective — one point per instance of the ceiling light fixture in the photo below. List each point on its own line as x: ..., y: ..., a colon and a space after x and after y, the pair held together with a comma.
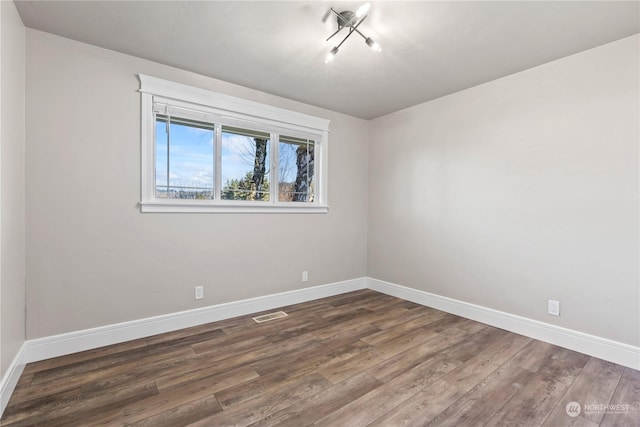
x: 352, y: 21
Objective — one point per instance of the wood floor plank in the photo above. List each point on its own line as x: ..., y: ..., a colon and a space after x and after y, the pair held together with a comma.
x: 595, y: 384
x: 328, y: 348
x: 532, y: 404
x: 150, y: 407
x: 560, y: 419
x: 422, y: 407
x: 305, y: 329
x: 125, y: 372
x: 158, y: 351
x: 486, y: 361
x: 182, y: 413
x: 372, y: 319
x: 83, y: 356
x: 359, y: 358
x: 397, y: 315
x: 376, y: 403
x: 75, y: 409
x: 267, y: 352
x: 473, y: 343
x: 206, y: 331
x: 535, y: 355
x: 563, y: 362
x: 351, y: 298
x: 342, y: 310
x: 246, y: 327
x: 225, y: 348
x: 352, y: 330
x: 265, y: 405
x: 412, y: 357
x: 171, y: 397
x: 299, y: 364
x: 426, y: 317
x: 480, y: 404
x: 625, y: 403
x: 211, y: 377
x: 321, y: 404
x: 265, y: 384
x: 377, y: 354
x: 378, y: 301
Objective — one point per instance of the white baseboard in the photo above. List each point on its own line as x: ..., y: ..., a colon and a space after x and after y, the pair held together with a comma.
x: 613, y: 351
x: 9, y: 381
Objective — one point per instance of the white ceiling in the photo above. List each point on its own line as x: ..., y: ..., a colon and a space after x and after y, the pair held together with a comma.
x: 430, y: 49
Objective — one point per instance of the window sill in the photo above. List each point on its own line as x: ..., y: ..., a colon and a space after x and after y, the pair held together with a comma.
x: 187, y: 206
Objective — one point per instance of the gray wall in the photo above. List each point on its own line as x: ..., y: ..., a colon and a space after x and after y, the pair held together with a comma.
x: 93, y: 259
x: 518, y: 191
x: 12, y: 184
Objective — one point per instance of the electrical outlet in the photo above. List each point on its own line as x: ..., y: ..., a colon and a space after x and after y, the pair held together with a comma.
x: 553, y: 307
x: 305, y: 276
x: 199, y: 292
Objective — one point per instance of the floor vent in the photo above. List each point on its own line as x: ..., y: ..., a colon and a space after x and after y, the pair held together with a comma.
x: 270, y: 316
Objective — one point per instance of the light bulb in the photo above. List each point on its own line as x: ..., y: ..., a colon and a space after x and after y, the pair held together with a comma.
x: 373, y: 45
x: 331, y: 55
x: 362, y: 10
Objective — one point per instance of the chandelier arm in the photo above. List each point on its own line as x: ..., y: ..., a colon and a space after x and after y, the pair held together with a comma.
x: 345, y: 22
x: 337, y: 31
x: 353, y: 29
x: 342, y: 18
x: 345, y: 39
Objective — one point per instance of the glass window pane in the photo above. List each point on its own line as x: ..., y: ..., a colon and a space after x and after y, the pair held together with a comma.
x: 161, y: 159
x: 184, y: 159
x: 245, y: 164
x: 296, y: 157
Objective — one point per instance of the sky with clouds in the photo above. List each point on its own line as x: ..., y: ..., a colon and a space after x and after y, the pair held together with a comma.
x: 191, y: 157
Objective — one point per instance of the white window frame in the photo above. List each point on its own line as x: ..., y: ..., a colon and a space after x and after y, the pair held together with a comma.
x: 232, y: 111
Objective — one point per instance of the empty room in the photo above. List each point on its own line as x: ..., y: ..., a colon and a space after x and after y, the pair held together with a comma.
x: 252, y: 213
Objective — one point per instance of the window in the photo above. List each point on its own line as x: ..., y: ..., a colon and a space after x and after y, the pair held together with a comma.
x: 245, y: 164
x: 184, y: 158
x: 207, y: 152
x: 296, y: 158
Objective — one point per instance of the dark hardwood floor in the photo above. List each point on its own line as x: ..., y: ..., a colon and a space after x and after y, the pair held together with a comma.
x: 356, y: 359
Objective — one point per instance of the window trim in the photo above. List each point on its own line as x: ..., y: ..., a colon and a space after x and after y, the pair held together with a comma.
x: 232, y: 109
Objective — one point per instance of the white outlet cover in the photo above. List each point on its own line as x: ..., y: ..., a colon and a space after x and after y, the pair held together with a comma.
x: 553, y: 307
x: 199, y: 292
